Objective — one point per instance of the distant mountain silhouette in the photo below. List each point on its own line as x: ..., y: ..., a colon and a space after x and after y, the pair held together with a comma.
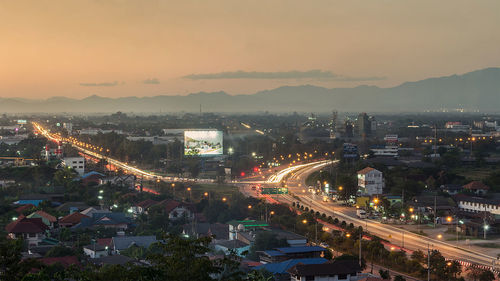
x: 477, y: 90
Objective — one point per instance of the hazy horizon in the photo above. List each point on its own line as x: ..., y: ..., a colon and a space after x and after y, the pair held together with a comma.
x: 126, y: 48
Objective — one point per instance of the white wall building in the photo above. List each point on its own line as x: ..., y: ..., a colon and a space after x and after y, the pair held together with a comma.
x: 76, y: 163
x: 476, y: 205
x: 370, y: 181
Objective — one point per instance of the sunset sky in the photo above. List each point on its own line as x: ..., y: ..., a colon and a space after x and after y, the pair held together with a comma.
x: 77, y: 48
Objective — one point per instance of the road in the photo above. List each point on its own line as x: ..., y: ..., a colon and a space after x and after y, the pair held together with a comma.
x: 295, y: 180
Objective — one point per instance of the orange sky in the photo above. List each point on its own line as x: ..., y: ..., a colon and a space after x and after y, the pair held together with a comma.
x: 60, y: 48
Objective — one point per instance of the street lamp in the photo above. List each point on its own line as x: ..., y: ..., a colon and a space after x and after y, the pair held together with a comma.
x: 249, y: 206
x: 224, y: 199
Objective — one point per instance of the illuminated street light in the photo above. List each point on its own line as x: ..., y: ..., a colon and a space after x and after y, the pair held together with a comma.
x: 439, y: 236
x: 348, y: 235
x: 304, y: 221
x: 224, y: 199
x: 249, y: 206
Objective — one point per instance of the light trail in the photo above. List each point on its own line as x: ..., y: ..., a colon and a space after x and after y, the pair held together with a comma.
x: 124, y: 166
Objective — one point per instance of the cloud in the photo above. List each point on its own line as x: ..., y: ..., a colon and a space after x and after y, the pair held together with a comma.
x: 294, y: 74
x: 103, y: 84
x: 151, y: 81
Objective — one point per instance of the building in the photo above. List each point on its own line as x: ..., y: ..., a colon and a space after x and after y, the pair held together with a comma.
x: 280, y: 269
x: 286, y: 253
x: 177, y: 210
x: 47, y: 219
x: 388, y: 150
x: 120, y: 243
x: 72, y: 219
x: 363, y: 125
x: 76, y: 163
x: 342, y: 270
x: 95, y: 251
x: 31, y: 230
x: 477, y: 205
x: 370, y: 181
x: 107, y: 220
x: 477, y: 187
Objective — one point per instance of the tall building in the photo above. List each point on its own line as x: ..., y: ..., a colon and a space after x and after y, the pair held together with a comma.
x: 363, y: 125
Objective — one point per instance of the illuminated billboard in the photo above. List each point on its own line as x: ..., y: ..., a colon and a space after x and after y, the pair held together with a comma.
x: 203, y: 142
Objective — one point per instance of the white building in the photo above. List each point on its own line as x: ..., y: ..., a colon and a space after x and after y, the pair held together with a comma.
x: 95, y: 251
x: 476, y: 205
x: 370, y: 181
x: 388, y: 150
x: 76, y: 163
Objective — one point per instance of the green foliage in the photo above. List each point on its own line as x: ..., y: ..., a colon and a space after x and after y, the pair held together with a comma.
x: 60, y: 251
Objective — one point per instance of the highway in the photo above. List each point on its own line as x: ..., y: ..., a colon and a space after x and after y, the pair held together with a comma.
x: 294, y: 178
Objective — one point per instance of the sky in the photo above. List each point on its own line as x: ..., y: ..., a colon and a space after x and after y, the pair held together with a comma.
x: 78, y: 48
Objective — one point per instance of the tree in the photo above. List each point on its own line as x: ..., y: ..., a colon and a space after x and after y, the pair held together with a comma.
x: 12, y: 268
x: 265, y: 241
x: 384, y: 274
x: 399, y: 278
x: 60, y: 251
x: 183, y: 259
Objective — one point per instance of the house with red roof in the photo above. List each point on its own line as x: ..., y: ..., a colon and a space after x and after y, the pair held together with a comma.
x: 477, y: 187
x: 23, y: 208
x: 143, y: 206
x: 32, y: 230
x: 177, y: 210
x: 47, y: 219
x: 66, y: 261
x: 72, y: 219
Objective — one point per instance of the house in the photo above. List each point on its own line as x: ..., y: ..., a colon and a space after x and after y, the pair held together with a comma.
x: 47, y: 219
x: 95, y: 251
x: 451, y: 189
x: 112, y: 260
x: 123, y: 181
x: 393, y: 199
x: 280, y: 269
x: 477, y: 187
x: 143, y: 206
x: 286, y: 253
x: 370, y: 181
x: 107, y: 220
x: 92, y: 178
x: 66, y: 261
x: 91, y: 210
x: 120, y: 243
x: 27, y: 207
x: 71, y: 207
x: 30, y: 229
x: 478, y: 205
x: 236, y: 246
x: 342, y: 270
x: 72, y: 219
x: 177, y: 210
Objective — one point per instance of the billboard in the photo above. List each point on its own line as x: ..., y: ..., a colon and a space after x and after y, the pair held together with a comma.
x: 203, y: 142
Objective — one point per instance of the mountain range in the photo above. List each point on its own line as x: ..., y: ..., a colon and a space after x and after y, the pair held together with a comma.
x: 474, y: 91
